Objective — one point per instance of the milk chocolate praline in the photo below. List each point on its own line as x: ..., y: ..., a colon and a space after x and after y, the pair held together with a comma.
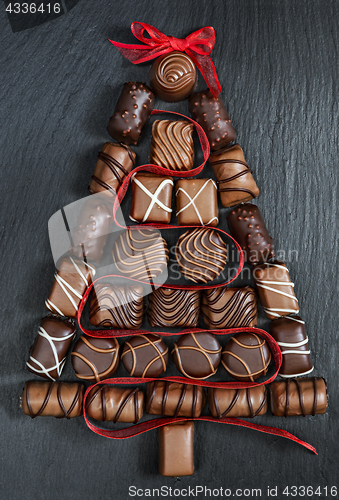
x: 173, y: 76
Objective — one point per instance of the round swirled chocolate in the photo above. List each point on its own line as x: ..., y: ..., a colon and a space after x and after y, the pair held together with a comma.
x: 201, y: 254
x: 173, y: 76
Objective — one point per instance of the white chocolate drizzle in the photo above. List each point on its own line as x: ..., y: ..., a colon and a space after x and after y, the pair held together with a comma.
x: 192, y: 202
x: 154, y: 197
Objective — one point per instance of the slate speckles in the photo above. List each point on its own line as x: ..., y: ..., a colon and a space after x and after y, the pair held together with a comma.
x: 131, y: 113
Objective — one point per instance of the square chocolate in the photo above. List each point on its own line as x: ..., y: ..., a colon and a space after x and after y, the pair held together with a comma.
x: 117, y: 306
x: 172, y: 144
x: 176, y: 449
x: 229, y: 307
x: 71, y: 280
x: 151, y: 198
x: 197, y: 203
x: 174, y: 308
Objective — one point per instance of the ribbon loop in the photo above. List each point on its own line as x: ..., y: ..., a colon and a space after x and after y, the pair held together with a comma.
x: 198, y: 46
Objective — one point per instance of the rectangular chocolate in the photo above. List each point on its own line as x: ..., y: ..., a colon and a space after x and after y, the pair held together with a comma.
x: 115, y: 161
x: 296, y: 397
x: 131, y: 113
x: 197, y: 203
x: 248, y: 402
x: 174, y: 308
x: 176, y: 449
x: 115, y: 404
x: 235, y: 181
x: 151, y: 198
x: 275, y: 289
x: 117, y: 306
x: 47, y: 355
x: 290, y: 335
x: 248, y: 228
x: 229, y: 307
x: 52, y: 399
x: 212, y: 116
x: 71, y: 280
x: 172, y: 144
x: 174, y: 400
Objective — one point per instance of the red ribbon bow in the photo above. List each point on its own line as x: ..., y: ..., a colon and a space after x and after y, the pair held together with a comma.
x: 198, y: 46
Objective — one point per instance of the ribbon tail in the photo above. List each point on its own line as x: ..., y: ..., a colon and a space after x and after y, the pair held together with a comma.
x: 137, y: 54
x: 206, y: 67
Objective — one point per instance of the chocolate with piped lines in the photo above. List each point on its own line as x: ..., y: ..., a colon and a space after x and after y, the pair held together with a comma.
x: 115, y: 404
x: 174, y: 308
x: 172, y: 144
x: 248, y: 402
x: 172, y: 399
x: 145, y: 355
x: 95, y: 359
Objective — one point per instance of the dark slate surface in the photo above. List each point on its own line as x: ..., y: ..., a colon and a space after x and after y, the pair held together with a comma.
x: 278, y: 65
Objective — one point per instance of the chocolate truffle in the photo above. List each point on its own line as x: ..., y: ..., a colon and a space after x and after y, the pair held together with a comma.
x: 201, y: 254
x: 173, y: 76
x: 151, y: 198
x: 131, y: 113
x: 248, y: 402
x: 90, y: 233
x: 290, y: 335
x: 197, y: 355
x: 117, y: 306
x: 246, y: 357
x: 141, y: 254
x: 174, y: 400
x: 176, y: 449
x: 174, y: 308
x: 172, y: 144
x: 47, y: 356
x: 145, y: 356
x: 197, y: 203
x: 71, y: 280
x: 95, y: 359
x: 52, y: 399
x: 116, y: 404
x: 275, y: 289
x: 235, y: 182
x: 296, y: 397
x: 247, y: 226
x: 229, y: 307
x: 115, y: 161
x: 211, y: 114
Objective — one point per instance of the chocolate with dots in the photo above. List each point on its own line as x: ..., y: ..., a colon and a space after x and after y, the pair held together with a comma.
x: 131, y: 113
x: 211, y: 114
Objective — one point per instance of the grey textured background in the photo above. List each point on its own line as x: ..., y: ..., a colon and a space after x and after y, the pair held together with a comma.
x: 278, y: 65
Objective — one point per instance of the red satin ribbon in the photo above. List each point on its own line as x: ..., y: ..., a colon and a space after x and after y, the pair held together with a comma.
x: 198, y: 46
x: 149, y: 425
